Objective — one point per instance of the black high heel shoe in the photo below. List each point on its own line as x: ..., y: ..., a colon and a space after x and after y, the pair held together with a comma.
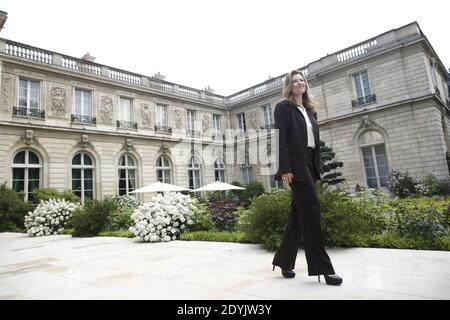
x: 286, y: 273
x: 332, y: 279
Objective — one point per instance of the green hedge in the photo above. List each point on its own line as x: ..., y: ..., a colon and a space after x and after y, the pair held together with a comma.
x: 12, y: 210
x: 217, y: 236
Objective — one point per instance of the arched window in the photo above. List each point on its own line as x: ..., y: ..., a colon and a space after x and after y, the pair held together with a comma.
x: 83, y: 169
x: 26, y: 173
x: 163, y: 170
x: 219, y: 170
x: 247, y: 171
x: 127, y: 175
x: 194, y: 173
x: 374, y: 157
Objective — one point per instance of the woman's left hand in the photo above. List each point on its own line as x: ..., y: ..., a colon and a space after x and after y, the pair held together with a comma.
x: 317, y: 182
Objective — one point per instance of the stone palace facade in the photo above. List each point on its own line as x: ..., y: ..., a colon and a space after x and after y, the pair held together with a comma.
x: 70, y: 123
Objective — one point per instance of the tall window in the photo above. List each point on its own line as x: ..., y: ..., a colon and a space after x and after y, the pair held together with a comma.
x: 268, y: 116
x: 127, y: 175
x: 219, y: 170
x: 83, y: 176
x: 194, y: 173
x: 190, y: 120
x: 161, y: 115
x: 241, y: 122
x: 163, y: 170
x: 362, y: 88
x: 374, y: 158
x: 217, y: 128
x: 26, y: 173
x: 28, y: 98
x: 83, y: 107
x: 126, y: 114
x: 246, y: 171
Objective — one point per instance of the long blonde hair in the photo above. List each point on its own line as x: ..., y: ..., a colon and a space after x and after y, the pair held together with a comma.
x: 308, y: 102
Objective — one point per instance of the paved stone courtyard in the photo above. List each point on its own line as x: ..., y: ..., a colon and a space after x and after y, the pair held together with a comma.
x: 62, y: 267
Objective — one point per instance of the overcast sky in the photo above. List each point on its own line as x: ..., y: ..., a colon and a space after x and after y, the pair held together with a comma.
x: 229, y: 45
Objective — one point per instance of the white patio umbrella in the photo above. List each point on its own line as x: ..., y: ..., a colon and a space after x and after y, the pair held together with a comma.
x: 160, y: 187
x: 214, y: 186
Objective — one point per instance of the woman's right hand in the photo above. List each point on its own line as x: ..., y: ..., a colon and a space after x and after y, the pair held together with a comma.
x: 287, y: 177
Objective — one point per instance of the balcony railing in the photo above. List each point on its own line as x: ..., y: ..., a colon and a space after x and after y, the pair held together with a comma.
x: 364, y: 100
x: 163, y: 129
x: 268, y: 126
x: 28, y: 112
x: 218, y: 136
x: 193, y: 133
x: 126, y: 124
x: 79, y: 118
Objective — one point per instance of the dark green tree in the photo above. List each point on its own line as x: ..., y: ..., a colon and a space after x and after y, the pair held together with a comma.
x: 329, y: 174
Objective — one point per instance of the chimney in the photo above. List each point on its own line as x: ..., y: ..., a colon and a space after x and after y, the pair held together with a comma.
x: 88, y: 57
x: 159, y: 76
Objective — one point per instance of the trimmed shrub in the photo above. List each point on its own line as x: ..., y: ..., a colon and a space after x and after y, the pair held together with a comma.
x: 12, y: 210
x: 401, y: 184
x: 50, y: 193
x: 427, y: 222
x: 49, y: 217
x: 118, y: 233
x: 120, y: 219
x: 92, y: 218
x: 201, y: 219
x: 164, y: 218
x: 223, y: 214
x: 343, y: 219
x: 266, y: 221
x: 217, y: 236
x: 252, y: 189
x: 427, y: 186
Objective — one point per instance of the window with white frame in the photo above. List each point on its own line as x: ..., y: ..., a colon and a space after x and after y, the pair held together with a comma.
x: 83, y: 170
x: 161, y: 115
x: 219, y: 170
x: 82, y: 110
x: 28, y: 98
x: 26, y: 173
x: 190, y: 120
x: 163, y: 169
x: 126, y: 110
x: 363, y: 91
x: 127, y: 175
x: 241, y: 122
x: 216, y: 122
x: 374, y: 158
x: 247, y: 172
x: 268, y: 116
x: 194, y: 173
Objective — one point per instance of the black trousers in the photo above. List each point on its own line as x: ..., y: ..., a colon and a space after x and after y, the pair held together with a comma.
x: 304, y: 221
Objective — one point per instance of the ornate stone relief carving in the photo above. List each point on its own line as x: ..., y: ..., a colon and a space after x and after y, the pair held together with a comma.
x: 29, y: 138
x: 5, y: 94
x: 128, y: 145
x: 146, y: 116
x: 58, y: 98
x: 253, y: 121
x: 205, y: 124
x: 164, y: 148
x: 106, y: 109
x: 84, y: 142
x: 178, y: 122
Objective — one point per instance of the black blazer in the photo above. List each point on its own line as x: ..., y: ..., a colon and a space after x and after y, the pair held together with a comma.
x: 293, y: 141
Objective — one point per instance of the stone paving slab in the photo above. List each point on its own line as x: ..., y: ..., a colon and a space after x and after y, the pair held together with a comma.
x: 65, y: 268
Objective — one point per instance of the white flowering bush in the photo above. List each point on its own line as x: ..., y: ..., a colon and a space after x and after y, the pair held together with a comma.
x: 164, y: 218
x: 49, y: 217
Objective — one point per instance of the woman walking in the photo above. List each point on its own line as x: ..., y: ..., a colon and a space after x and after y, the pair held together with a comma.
x: 299, y: 166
